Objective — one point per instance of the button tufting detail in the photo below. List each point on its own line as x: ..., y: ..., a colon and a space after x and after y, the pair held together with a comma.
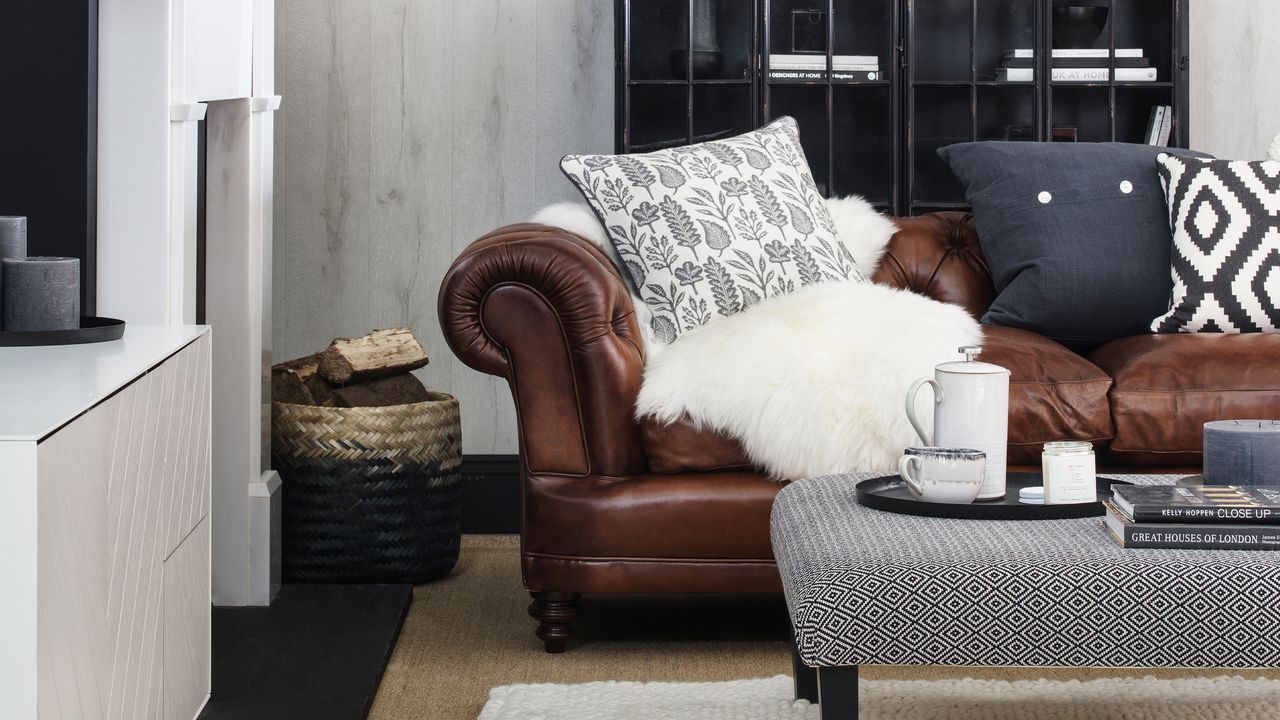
x: 1126, y: 187
x: 1045, y: 197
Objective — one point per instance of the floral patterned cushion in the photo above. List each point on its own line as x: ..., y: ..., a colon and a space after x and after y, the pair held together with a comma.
x: 707, y: 230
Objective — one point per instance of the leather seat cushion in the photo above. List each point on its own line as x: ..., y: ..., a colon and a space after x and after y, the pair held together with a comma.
x: 1168, y: 386
x: 691, y: 516
x: 683, y: 447
x: 1054, y: 394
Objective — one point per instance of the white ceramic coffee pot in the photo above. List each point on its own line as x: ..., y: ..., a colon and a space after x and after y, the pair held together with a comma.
x: 971, y: 410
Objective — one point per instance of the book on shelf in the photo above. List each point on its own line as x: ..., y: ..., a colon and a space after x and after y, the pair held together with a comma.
x: 1100, y: 62
x: 1166, y: 127
x: 1200, y: 504
x: 1077, y: 53
x: 1155, y: 124
x: 819, y: 61
x: 806, y: 75
x: 1189, y: 536
x: 1147, y: 74
x: 823, y: 68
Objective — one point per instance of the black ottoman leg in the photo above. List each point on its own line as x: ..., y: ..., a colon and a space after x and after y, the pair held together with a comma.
x: 838, y: 692
x: 806, y: 678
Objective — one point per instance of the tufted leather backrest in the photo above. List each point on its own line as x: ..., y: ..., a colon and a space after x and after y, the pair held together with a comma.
x: 938, y: 255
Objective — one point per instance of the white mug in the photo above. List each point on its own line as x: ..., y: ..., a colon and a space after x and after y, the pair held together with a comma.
x: 945, y: 475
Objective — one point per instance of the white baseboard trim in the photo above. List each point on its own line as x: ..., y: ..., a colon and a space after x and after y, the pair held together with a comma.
x: 200, y: 710
x: 264, y: 538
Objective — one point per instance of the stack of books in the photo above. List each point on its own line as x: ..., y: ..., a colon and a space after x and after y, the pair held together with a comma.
x: 814, y: 67
x: 1209, y: 517
x: 1159, y: 126
x: 1079, y: 66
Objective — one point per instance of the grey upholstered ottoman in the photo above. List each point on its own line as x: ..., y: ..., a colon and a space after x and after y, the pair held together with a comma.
x: 866, y: 587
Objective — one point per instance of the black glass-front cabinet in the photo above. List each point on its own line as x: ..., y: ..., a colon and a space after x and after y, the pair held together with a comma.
x: 879, y: 85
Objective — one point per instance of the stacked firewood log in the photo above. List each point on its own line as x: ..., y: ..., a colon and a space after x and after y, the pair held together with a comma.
x: 370, y: 371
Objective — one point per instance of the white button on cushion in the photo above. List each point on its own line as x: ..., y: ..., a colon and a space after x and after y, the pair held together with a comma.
x: 1126, y: 187
x: 1045, y: 197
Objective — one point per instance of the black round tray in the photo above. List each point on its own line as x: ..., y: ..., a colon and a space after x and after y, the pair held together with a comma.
x: 91, y: 330
x: 890, y: 493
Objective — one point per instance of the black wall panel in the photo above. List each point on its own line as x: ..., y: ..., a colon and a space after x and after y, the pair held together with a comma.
x: 48, y: 127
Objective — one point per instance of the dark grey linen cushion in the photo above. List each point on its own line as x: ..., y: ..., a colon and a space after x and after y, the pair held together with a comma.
x: 1077, y: 235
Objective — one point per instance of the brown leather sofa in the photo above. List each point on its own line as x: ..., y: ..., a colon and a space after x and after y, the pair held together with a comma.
x: 615, y: 505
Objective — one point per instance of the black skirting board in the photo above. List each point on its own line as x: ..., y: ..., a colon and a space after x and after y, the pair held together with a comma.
x: 317, y: 653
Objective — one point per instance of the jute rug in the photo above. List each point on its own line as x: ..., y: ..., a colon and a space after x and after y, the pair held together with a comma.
x: 1221, y: 698
x: 469, y: 633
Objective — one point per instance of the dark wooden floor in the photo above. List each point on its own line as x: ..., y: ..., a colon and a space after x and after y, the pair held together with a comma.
x: 317, y: 653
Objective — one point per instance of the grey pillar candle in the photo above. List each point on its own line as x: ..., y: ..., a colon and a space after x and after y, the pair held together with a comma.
x: 40, y: 293
x: 1242, y: 452
x: 13, y: 236
x: 13, y: 242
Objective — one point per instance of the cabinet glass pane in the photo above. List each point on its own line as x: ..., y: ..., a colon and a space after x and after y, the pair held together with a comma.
x: 1004, y: 26
x: 659, y: 117
x: 862, y: 135
x: 1133, y: 112
x: 720, y: 111
x: 1080, y: 24
x: 658, y: 32
x: 1081, y: 112
x: 730, y: 29
x: 1147, y: 24
x: 941, y: 119
x: 864, y: 28
x: 808, y: 105
x: 1006, y: 113
x: 798, y: 27
x: 940, y: 50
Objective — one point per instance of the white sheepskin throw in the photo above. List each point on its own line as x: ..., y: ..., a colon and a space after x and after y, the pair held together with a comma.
x: 810, y: 383
x: 858, y: 225
x: 579, y: 220
x: 862, y: 229
x: 1273, y: 152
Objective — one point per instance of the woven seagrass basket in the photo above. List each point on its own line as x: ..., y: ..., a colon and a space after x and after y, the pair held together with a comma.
x: 371, y: 494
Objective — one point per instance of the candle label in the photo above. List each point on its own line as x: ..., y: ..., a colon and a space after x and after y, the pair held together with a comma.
x: 1070, y: 479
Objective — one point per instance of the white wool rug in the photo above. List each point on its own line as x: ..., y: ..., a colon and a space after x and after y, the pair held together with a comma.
x: 811, y: 383
x: 1221, y: 698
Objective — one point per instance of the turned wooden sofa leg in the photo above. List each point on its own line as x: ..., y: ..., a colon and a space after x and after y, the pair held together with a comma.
x: 555, y: 613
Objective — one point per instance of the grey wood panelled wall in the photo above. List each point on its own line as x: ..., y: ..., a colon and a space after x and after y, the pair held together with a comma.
x: 410, y: 127
x: 1235, y: 73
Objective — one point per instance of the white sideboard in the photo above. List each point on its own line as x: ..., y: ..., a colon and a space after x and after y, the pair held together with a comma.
x: 104, y: 527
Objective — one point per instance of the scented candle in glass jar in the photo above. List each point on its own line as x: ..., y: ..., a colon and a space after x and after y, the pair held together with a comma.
x: 1070, y: 472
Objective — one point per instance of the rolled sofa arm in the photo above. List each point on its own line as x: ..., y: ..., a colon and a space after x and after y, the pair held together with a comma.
x: 549, y: 312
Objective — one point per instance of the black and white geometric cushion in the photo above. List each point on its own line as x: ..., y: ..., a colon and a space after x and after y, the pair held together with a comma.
x: 1225, y: 216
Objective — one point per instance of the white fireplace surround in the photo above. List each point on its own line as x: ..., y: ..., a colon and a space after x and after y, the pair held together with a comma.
x: 164, y: 65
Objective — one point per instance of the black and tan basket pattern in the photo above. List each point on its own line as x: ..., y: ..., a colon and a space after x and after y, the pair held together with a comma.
x: 370, y: 494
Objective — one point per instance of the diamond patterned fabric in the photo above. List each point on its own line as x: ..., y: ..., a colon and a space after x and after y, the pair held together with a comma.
x: 866, y: 587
